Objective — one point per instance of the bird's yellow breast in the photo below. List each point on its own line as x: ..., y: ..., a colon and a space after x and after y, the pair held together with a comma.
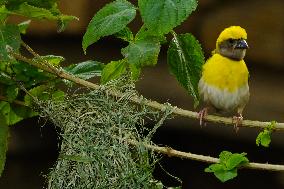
x: 224, y: 73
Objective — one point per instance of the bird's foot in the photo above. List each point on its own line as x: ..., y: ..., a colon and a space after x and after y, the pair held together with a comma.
x: 237, y: 121
x: 201, y: 114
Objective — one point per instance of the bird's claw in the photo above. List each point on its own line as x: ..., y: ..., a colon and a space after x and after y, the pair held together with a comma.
x: 237, y: 121
x: 201, y: 114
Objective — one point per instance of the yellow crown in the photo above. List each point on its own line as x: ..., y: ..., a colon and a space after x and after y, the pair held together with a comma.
x: 233, y: 32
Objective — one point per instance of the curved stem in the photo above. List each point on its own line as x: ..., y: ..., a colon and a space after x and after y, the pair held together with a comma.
x: 207, y: 159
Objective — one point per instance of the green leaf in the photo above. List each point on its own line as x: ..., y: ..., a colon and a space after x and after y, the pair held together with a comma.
x: 224, y: 156
x: 40, y: 92
x: 160, y: 17
x: 264, y: 138
x: 142, y: 52
x: 221, y: 172
x: 185, y: 59
x: 125, y: 34
x: 32, y: 76
x: 10, y: 116
x: 23, y: 111
x: 53, y: 60
x: 12, y: 92
x: 144, y: 33
x: 226, y: 169
x: 4, y: 134
x: 58, y: 95
x: 224, y: 176
x: 111, y: 19
x: 13, y: 4
x: 135, y: 71
x: 23, y: 26
x: 236, y: 160
x: 9, y: 41
x: 231, y: 160
x: 86, y: 70
x: 214, y: 167
x: 113, y: 70
x: 35, y: 12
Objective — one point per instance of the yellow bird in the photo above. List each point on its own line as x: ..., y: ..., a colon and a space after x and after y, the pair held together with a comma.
x: 224, y: 80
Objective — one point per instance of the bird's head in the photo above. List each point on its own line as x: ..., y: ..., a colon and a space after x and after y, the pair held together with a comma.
x: 232, y: 43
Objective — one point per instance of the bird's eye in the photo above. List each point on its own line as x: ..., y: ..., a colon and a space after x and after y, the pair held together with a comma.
x: 231, y: 40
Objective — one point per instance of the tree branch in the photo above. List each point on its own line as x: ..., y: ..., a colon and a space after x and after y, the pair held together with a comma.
x: 44, y: 65
x: 207, y: 159
x: 153, y: 104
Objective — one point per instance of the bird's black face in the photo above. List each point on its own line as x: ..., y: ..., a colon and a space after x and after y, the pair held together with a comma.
x: 233, y: 48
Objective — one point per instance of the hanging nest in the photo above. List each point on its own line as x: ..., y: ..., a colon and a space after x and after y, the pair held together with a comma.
x: 95, y: 130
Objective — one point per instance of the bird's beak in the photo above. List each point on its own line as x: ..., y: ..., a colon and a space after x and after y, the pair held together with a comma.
x: 242, y: 44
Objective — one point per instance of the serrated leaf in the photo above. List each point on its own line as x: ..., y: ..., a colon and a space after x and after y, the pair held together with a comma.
x: 53, y: 13
x: 236, y: 160
x: 224, y: 156
x: 12, y: 92
x: 9, y: 41
x: 142, y: 52
x: 31, y: 11
x: 23, y: 26
x: 4, y: 133
x: 264, y: 138
x: 10, y: 116
x: 111, y: 19
x: 125, y: 34
x: 226, y: 169
x: 113, y: 70
x: 86, y: 70
x: 160, y: 17
x: 185, y: 59
x: 224, y: 176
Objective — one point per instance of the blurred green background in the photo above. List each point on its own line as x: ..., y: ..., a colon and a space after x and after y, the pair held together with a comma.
x: 34, y: 143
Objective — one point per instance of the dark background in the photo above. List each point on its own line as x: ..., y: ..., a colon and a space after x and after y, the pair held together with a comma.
x: 33, y: 147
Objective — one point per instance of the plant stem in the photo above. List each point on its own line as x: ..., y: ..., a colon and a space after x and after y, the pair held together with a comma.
x: 44, y: 65
x: 141, y: 101
x: 207, y: 159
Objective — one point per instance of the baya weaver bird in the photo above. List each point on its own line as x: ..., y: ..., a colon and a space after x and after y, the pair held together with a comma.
x: 224, y: 81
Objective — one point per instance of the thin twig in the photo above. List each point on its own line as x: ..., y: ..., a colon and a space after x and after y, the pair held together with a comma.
x: 153, y: 104
x: 207, y: 159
